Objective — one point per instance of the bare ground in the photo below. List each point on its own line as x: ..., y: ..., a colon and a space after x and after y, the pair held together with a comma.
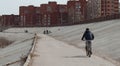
x: 4, y: 42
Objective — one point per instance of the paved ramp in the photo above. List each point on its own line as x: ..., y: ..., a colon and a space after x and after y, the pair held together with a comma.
x: 107, y: 37
x: 51, y: 52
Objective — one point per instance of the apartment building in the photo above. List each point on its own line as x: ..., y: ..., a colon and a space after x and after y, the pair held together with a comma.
x: 45, y: 15
x: 0, y: 20
x: 119, y: 7
x: 63, y: 15
x: 100, y: 8
x: 53, y: 13
x: 10, y: 20
x: 93, y: 9
x: 76, y: 10
x: 50, y: 14
x: 109, y: 7
x: 30, y: 15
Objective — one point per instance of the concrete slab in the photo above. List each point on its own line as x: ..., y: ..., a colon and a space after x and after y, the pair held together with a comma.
x: 51, y: 52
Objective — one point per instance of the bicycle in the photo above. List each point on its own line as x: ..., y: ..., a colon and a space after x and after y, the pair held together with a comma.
x: 88, y: 48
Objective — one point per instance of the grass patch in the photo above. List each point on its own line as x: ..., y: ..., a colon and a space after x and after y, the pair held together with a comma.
x: 4, y: 42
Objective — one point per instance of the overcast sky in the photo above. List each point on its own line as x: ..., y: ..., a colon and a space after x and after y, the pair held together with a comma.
x: 12, y: 6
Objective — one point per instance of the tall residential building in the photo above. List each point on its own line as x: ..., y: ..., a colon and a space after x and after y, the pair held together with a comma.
x: 99, y: 8
x: 30, y: 15
x: 49, y: 13
x: 119, y: 7
x: 76, y: 10
x: 116, y: 6
x: 53, y: 13
x: 109, y: 7
x: 93, y: 9
x: 10, y: 20
x: 1, y: 20
x: 63, y: 14
x: 44, y: 15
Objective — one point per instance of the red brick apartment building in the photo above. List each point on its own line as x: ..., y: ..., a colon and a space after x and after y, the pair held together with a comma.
x: 109, y: 7
x: 30, y: 15
x: 99, y: 8
x: 119, y: 7
x: 63, y: 14
x: 10, y: 20
x: 49, y: 13
x: 76, y: 10
x: 1, y: 21
x: 45, y: 15
x: 53, y: 13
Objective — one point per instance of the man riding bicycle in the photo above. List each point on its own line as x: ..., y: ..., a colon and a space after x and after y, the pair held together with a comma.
x: 88, y: 37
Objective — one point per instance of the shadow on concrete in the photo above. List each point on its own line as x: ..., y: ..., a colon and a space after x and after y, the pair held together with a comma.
x: 80, y: 56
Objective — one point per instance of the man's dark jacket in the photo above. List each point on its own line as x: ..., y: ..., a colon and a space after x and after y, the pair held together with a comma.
x: 87, y: 35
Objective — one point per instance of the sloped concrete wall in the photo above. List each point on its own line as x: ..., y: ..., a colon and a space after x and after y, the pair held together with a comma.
x: 107, y: 37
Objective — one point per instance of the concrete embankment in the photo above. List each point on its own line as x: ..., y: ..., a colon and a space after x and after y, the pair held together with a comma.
x: 51, y: 52
x: 31, y: 54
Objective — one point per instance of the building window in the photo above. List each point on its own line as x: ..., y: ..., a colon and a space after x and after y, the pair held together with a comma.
x: 108, y: 5
x: 48, y: 18
x: 48, y: 23
x: 102, y: 11
x: 112, y: 6
x: 77, y: 5
x: 49, y: 9
x: 62, y: 9
x: 26, y: 11
x: 108, y: 2
x: 37, y: 11
x: 108, y: 9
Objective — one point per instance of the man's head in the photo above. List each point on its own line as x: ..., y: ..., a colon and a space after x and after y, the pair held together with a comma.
x: 87, y: 29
